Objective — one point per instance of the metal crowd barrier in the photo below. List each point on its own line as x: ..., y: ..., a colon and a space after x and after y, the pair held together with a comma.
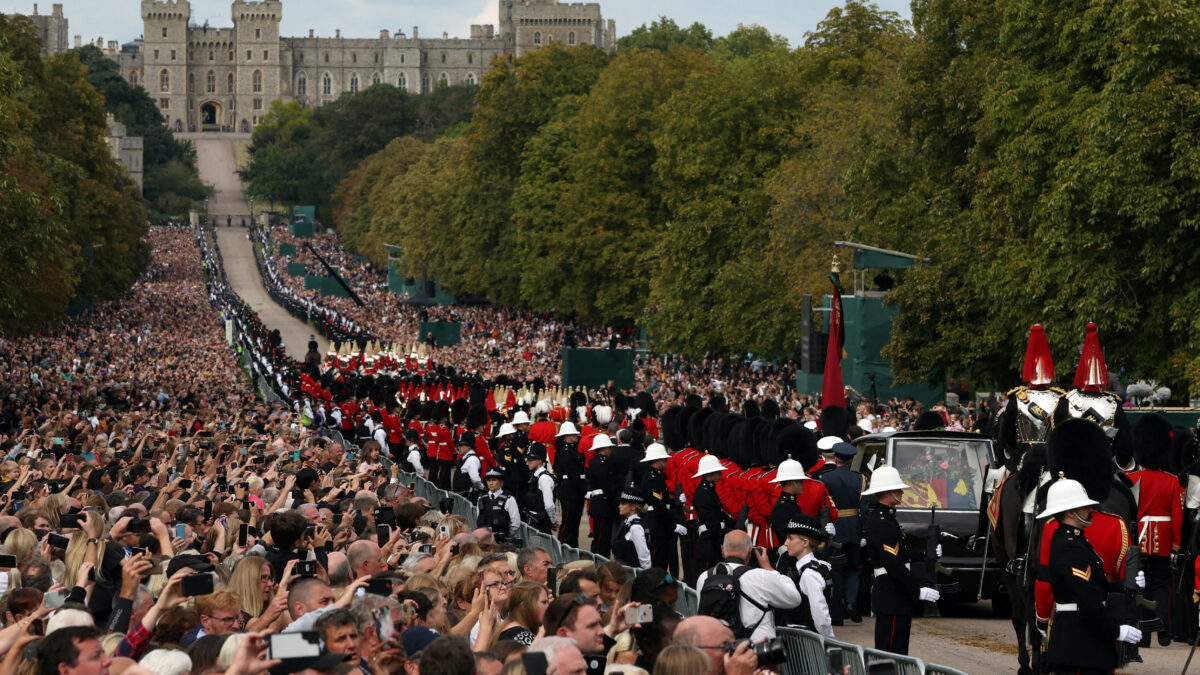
x: 806, y: 652
x: 934, y: 669
x: 905, y: 665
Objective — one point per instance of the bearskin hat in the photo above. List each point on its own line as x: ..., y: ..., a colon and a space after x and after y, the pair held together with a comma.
x: 717, y: 402
x: 929, y: 421
x: 477, y: 394
x: 725, y: 437
x: 645, y: 402
x: 1122, y: 442
x: 1152, y: 443
x: 1184, y: 442
x: 683, y: 421
x: 835, y: 421
x: 772, y: 452
x: 760, y: 443
x: 458, y: 410
x: 695, y: 427
x: 622, y: 403
x: 750, y: 408
x: 671, y: 436
x: 799, y: 443
x: 428, y: 411
x: 693, y: 401
x: 1080, y: 450
x: 442, y: 410
x: 578, y: 398
x: 711, y: 434
x: 770, y: 408
x: 747, y: 440
x: 476, y: 417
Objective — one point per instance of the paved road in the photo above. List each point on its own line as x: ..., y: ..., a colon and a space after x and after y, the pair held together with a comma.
x: 214, y: 156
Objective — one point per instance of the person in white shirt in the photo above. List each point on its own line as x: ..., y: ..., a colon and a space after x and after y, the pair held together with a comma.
x: 762, y: 586
x: 629, y: 545
x: 811, y: 576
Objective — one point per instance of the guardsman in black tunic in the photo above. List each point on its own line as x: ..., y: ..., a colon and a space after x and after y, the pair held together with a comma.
x: 845, y: 487
x: 663, y: 514
x: 786, y: 509
x: 572, y: 482
x: 602, y: 495
x: 895, y: 592
x: 714, y: 521
x: 511, y: 457
x: 1084, y: 631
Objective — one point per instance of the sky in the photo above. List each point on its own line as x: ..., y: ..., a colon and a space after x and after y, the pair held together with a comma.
x: 120, y: 19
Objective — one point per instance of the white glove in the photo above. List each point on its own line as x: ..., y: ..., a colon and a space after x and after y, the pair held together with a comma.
x: 1140, y: 580
x: 681, y: 530
x: 932, y: 595
x: 938, y: 552
x: 863, y: 543
x: 1130, y: 635
x: 830, y: 528
x: 1041, y: 632
x: 682, y: 498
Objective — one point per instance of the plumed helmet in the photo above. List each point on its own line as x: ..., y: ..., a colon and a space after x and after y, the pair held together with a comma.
x: 835, y: 421
x: 1152, y: 443
x: 603, y: 414
x: 1080, y: 451
x: 672, y: 437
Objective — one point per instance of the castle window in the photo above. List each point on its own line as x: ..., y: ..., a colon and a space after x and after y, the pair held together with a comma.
x: 537, y: 38
x: 326, y: 57
x: 425, y: 84
x: 191, y: 83
x: 300, y: 57
x: 443, y: 80
x: 229, y: 83
x: 302, y: 85
x: 376, y: 57
x: 549, y: 38
x: 172, y: 54
x: 266, y: 55
x: 353, y: 58
x: 231, y: 55
x: 443, y: 57
x: 210, y: 82
x: 210, y: 55
x: 470, y: 57
x: 424, y: 57
x: 164, y: 80
x: 326, y: 84
x: 401, y: 58
x: 354, y: 82
x: 471, y: 78
x: 571, y: 38
x: 249, y: 55
x: 376, y: 78
x: 256, y: 81
x: 155, y: 54
x: 402, y: 82
x: 257, y: 33
x: 164, y: 31
x: 164, y: 103
x: 258, y: 104
x: 133, y: 78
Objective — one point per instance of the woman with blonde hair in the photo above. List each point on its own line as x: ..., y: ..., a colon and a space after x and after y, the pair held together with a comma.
x: 527, y: 603
x: 254, y: 583
x: 23, y: 544
x: 53, y: 507
x: 682, y: 660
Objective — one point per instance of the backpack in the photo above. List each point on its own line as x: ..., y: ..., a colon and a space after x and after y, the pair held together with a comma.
x: 721, y: 597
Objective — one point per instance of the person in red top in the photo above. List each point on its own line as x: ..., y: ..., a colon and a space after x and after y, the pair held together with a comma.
x: 1160, y: 513
x: 543, y: 430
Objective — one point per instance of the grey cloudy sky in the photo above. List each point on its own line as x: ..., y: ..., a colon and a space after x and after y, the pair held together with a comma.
x: 119, y: 19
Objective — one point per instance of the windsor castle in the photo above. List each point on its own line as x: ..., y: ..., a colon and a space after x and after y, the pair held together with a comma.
x: 226, y: 78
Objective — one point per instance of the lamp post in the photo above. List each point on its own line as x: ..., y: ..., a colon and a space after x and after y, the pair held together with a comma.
x: 252, y: 212
x: 206, y: 211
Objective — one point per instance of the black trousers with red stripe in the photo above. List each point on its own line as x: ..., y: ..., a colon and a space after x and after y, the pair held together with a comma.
x: 891, y: 632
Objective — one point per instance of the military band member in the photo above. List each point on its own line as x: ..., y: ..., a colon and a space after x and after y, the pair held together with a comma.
x: 602, y: 493
x: 663, y: 513
x: 1160, y: 512
x: 714, y: 521
x: 498, y: 510
x: 895, y: 591
x: 1083, y: 632
x: 572, y: 481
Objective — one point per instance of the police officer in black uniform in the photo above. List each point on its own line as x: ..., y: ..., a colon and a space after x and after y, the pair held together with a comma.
x: 498, y: 510
x: 845, y: 487
x: 714, y: 521
x: 538, y: 496
x: 1083, y: 632
x: 664, y: 515
x: 630, y: 545
x: 602, y: 495
x: 572, y: 482
x: 466, y: 480
x: 895, y: 592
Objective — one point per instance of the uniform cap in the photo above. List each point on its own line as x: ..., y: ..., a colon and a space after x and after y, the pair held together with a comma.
x: 536, y: 451
x: 708, y: 464
x: 632, y: 496
x: 826, y: 443
x: 806, y: 525
x: 494, y: 472
x: 601, y: 441
x: 567, y: 429
x: 811, y: 425
x: 1065, y: 494
x: 845, y: 450
x: 521, y: 417
x: 655, y: 452
x: 885, y: 479
x: 506, y: 429
x: 790, y: 469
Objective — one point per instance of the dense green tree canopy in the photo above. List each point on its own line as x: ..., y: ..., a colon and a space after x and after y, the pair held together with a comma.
x: 71, y: 217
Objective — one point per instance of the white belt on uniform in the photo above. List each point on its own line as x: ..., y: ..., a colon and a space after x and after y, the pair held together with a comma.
x: 880, y: 571
x: 1146, y: 520
x: 1067, y: 606
x: 593, y: 493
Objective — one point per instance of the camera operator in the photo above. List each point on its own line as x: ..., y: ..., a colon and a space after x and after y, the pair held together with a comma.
x: 714, y: 639
x: 760, y: 590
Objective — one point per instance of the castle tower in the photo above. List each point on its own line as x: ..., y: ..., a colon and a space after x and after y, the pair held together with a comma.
x: 259, y: 64
x: 165, y: 57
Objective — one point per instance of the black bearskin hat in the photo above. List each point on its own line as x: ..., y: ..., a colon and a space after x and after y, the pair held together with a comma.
x: 1185, y: 450
x: 458, y: 410
x: 799, y: 443
x: 711, y: 434
x: 835, y: 421
x: 477, y: 395
x: 747, y: 440
x: 717, y: 402
x: 645, y: 402
x: 772, y: 453
x: 476, y: 417
x: 695, y: 427
x: 750, y: 408
x: 1152, y: 441
x: 1080, y: 450
x: 693, y: 401
x: 427, y: 411
x: 929, y: 421
x: 725, y: 439
x: 733, y: 443
x: 672, y: 437
x: 770, y: 409
x: 442, y: 410
x: 578, y: 398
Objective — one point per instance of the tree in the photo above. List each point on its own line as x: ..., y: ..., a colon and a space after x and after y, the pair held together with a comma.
x: 663, y: 34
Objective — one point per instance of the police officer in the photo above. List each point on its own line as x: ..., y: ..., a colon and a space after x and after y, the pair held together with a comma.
x: 663, y: 513
x: 629, y: 544
x: 714, y: 521
x: 895, y: 591
x: 467, y: 481
x: 845, y: 487
x: 601, y: 507
x: 1083, y: 631
x: 538, y: 497
x: 572, y: 477
x: 497, y: 510
x: 814, y: 578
